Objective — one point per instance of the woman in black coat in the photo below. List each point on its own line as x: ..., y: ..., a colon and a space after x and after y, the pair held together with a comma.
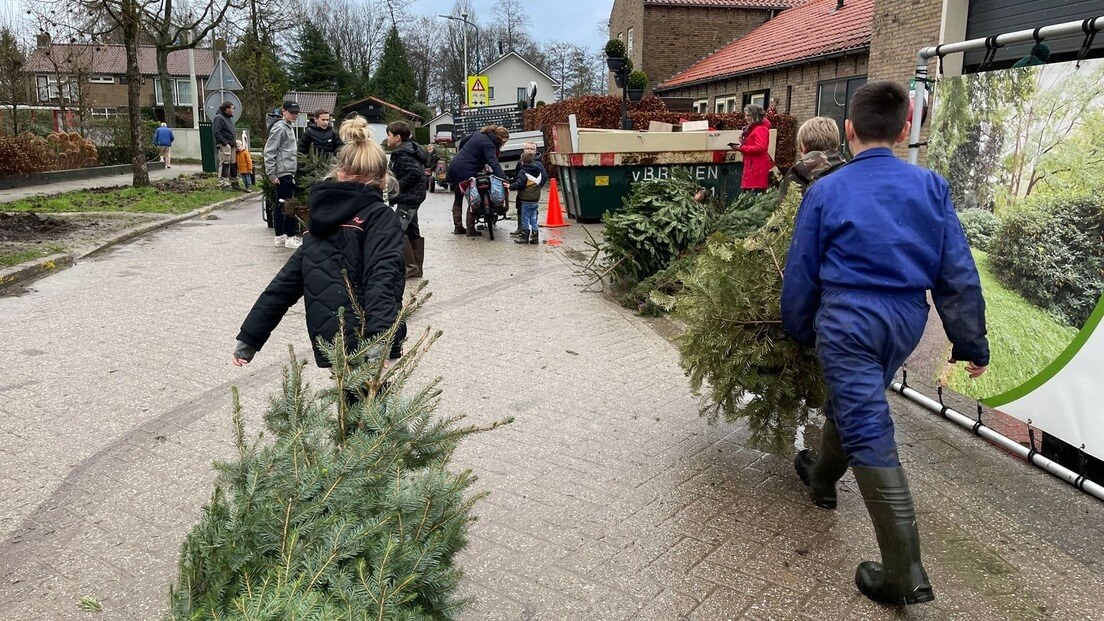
x: 352, y: 230
x: 476, y: 153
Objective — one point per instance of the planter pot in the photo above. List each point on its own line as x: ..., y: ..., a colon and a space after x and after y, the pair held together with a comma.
x: 615, y: 63
x: 619, y: 80
x: 636, y: 94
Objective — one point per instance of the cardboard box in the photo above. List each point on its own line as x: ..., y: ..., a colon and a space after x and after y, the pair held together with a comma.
x: 659, y: 126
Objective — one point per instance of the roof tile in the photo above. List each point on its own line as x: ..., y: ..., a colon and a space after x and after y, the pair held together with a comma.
x: 734, y: 4
x: 111, y: 59
x: 808, y: 31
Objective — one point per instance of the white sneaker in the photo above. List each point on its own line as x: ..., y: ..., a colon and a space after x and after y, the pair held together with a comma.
x: 279, y: 240
x: 293, y: 242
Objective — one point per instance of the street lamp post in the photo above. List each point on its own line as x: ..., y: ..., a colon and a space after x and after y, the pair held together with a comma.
x: 463, y: 18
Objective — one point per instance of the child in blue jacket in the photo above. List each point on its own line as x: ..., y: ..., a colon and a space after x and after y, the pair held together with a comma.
x: 869, y: 242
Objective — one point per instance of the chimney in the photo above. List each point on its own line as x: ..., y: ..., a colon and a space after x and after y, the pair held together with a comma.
x: 839, y: 4
x: 43, y: 39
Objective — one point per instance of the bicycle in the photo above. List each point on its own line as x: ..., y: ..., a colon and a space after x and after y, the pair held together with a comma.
x: 486, y: 211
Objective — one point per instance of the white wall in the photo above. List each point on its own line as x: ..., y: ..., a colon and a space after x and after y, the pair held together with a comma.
x: 513, y: 73
x: 186, y: 144
x: 444, y: 119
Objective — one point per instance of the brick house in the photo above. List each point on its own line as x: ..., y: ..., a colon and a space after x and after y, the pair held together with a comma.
x: 662, y: 37
x: 91, y: 78
x: 807, y: 61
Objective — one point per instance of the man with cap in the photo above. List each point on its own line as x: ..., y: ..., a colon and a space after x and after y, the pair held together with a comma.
x: 226, y: 141
x: 280, y: 164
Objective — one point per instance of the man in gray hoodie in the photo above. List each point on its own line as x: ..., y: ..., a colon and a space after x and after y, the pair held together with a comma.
x: 280, y: 164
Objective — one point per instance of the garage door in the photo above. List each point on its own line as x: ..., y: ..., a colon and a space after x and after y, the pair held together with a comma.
x: 993, y: 17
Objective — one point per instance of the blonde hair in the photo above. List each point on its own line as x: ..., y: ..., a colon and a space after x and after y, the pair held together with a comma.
x: 819, y: 133
x: 360, y: 158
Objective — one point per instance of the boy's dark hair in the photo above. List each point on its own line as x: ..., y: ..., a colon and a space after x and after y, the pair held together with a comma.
x: 400, y: 129
x: 878, y: 111
x: 528, y: 158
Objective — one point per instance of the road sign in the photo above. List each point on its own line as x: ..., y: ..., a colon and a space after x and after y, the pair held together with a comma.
x: 214, y: 100
x: 479, y: 89
x: 222, y: 78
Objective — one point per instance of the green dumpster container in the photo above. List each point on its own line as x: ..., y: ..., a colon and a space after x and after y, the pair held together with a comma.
x: 594, y: 183
x: 207, y: 147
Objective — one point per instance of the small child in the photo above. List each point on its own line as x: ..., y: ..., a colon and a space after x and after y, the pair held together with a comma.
x: 528, y: 181
x: 245, y: 166
x: 869, y: 242
x: 818, y: 140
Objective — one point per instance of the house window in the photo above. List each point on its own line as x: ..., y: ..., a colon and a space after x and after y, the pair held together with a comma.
x: 48, y: 88
x: 182, y: 93
x: 522, y: 94
x: 620, y: 36
x: 701, y: 106
x: 629, y: 44
x: 834, y: 96
x: 725, y: 104
x: 759, y: 98
x: 101, y: 79
x: 719, y: 106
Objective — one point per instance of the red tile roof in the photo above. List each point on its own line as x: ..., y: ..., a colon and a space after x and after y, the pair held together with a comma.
x: 111, y: 59
x: 806, y: 32
x: 734, y: 4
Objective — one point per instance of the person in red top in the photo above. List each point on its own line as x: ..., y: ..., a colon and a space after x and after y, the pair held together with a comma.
x: 753, y: 145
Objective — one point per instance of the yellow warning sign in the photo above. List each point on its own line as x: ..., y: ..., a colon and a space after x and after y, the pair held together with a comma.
x: 479, y: 89
x: 600, y: 180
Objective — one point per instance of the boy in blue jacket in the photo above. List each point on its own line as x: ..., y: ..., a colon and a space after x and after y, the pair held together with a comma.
x: 869, y: 241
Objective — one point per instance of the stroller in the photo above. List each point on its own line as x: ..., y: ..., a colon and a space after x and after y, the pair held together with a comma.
x: 488, y: 200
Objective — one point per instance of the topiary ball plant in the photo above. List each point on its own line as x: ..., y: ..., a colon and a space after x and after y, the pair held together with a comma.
x: 615, y: 48
x: 637, y: 80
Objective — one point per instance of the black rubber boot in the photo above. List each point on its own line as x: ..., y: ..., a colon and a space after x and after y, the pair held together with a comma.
x: 408, y: 257
x: 419, y: 255
x: 534, y: 237
x: 900, y: 578
x: 523, y: 237
x: 821, y: 470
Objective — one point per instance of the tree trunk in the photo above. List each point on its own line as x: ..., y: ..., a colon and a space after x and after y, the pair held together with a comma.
x: 129, y: 15
x: 168, y: 87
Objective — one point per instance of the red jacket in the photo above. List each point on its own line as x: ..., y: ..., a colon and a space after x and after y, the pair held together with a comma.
x: 757, y: 162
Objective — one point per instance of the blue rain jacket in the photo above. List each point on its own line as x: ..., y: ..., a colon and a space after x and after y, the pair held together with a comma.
x: 882, y: 225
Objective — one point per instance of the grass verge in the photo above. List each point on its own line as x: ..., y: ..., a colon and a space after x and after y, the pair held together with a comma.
x: 15, y: 258
x: 169, y: 196
x: 1023, y: 339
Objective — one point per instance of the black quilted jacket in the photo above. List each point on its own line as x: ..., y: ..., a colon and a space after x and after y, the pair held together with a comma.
x: 351, y: 229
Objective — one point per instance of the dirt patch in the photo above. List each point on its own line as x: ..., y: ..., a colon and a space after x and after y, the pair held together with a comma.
x: 31, y: 227
x: 192, y: 183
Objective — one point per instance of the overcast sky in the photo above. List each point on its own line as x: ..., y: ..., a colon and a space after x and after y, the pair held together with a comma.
x: 568, y: 20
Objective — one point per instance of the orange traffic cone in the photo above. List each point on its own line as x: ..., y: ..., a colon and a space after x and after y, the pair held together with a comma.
x: 555, y: 212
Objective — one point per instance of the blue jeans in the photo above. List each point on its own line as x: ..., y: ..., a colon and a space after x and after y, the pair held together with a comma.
x: 529, y: 216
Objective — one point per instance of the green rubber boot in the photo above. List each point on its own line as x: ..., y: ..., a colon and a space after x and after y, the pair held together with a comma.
x: 820, y: 471
x: 900, y: 578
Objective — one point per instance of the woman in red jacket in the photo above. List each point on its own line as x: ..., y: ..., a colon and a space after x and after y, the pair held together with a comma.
x: 753, y: 144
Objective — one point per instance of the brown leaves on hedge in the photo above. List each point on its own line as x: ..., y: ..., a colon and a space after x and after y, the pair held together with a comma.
x: 27, y: 154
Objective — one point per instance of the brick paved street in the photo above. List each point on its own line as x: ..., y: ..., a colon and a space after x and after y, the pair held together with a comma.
x: 610, y: 499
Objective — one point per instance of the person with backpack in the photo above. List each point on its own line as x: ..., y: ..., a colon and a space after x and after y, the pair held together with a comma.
x: 475, y: 153
x: 352, y: 233
x: 407, y: 165
x: 530, y: 177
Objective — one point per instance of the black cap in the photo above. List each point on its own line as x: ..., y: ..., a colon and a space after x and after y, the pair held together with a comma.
x: 291, y: 106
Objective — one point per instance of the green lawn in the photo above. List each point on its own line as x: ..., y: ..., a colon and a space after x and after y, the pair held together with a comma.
x: 15, y: 258
x: 1023, y: 339
x: 172, y: 196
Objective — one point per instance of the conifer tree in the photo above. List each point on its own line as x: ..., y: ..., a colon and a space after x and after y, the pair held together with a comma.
x: 393, y: 81
x: 734, y: 342
x: 316, y: 67
x: 344, y: 509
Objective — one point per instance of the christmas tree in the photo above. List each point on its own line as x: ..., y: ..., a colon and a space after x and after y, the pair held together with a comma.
x: 345, y: 509
x: 734, y: 342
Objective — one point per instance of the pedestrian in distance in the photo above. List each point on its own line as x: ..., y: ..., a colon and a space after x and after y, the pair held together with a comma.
x: 475, y: 153
x: 245, y: 166
x: 528, y: 181
x: 319, y: 136
x: 163, y: 139
x: 408, y: 163
x: 818, y: 140
x: 226, y: 142
x: 280, y: 165
x: 753, y: 145
x: 353, y: 234
x: 870, y: 241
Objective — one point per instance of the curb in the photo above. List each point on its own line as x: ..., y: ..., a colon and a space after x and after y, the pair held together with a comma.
x: 33, y: 269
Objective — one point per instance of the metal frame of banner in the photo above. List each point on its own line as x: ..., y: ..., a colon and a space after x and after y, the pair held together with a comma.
x: 1088, y: 27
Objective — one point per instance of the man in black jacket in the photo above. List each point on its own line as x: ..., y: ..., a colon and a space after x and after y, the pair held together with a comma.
x: 408, y: 163
x: 320, y: 135
x: 226, y: 140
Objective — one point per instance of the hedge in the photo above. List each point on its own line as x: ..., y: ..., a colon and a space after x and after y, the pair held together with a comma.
x: 27, y: 154
x: 979, y: 225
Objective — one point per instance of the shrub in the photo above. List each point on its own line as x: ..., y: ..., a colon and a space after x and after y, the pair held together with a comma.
x: 1053, y: 254
x: 116, y: 155
x: 980, y: 225
x: 615, y: 48
x: 637, y: 80
x: 27, y: 154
